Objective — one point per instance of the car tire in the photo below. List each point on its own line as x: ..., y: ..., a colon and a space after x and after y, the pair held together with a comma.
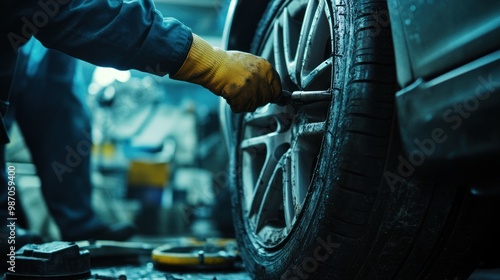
x: 322, y: 190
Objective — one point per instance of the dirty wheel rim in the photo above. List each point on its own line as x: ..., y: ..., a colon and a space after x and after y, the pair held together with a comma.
x: 280, y: 145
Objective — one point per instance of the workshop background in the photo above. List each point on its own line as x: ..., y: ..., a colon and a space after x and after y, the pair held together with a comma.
x: 157, y: 155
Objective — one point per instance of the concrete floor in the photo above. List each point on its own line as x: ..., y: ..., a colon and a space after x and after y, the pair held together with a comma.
x: 145, y: 269
x: 148, y: 271
x: 238, y: 273
x: 111, y: 264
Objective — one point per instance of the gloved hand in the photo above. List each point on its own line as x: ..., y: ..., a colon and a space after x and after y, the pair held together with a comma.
x: 244, y: 80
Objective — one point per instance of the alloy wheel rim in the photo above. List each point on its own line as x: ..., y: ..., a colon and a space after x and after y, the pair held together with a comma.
x: 280, y: 145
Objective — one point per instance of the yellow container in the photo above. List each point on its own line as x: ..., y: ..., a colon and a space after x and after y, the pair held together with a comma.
x: 148, y: 174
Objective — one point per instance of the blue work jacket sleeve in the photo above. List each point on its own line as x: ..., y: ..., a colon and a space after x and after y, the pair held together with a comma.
x: 124, y: 34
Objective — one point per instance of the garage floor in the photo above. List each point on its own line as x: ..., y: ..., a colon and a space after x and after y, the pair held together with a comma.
x: 147, y: 271
x: 141, y: 273
x: 139, y: 265
x: 143, y: 268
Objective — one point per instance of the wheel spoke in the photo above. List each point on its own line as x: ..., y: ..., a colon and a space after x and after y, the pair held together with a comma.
x: 261, y: 192
x: 314, y: 66
x: 280, y: 60
x: 290, y: 37
x: 269, y: 118
x: 269, y: 148
x: 300, y: 48
x: 289, y: 198
x: 270, y: 207
x: 280, y: 145
x: 256, y: 144
x: 304, y: 39
x: 301, y: 170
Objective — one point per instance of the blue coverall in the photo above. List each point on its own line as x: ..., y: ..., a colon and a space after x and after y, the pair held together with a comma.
x: 54, y: 83
x: 121, y: 34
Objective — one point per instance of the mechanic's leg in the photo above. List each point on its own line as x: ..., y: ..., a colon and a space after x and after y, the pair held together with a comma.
x: 56, y: 127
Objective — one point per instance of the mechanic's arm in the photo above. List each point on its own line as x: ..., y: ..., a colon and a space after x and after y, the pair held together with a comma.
x: 134, y: 35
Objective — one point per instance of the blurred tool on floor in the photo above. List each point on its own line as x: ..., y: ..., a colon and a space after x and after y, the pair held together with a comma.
x: 196, y: 254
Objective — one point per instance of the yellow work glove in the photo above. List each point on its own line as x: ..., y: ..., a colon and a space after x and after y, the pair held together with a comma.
x: 244, y: 80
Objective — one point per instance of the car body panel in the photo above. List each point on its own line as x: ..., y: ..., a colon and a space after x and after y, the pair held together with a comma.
x: 448, y: 65
x: 453, y: 118
x: 432, y: 37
